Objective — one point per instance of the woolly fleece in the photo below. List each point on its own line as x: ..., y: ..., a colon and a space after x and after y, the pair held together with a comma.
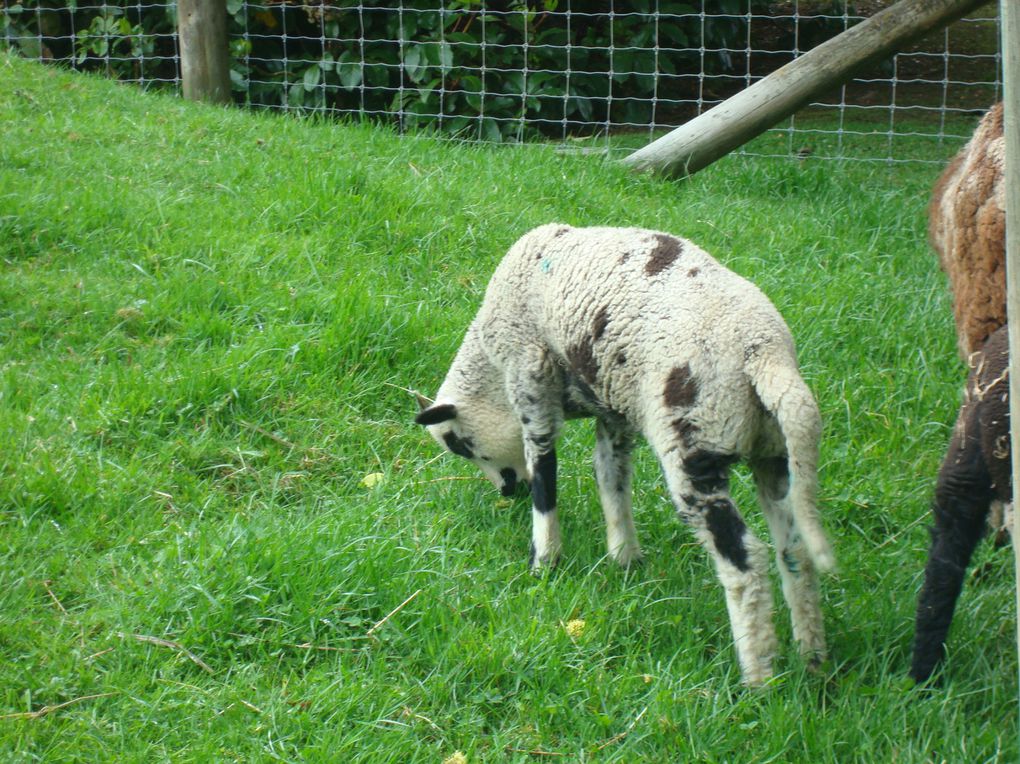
x: 967, y: 228
x: 647, y: 333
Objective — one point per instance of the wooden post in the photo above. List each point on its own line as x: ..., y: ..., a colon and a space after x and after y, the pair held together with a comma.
x: 702, y: 140
x: 1010, y: 26
x: 205, y: 61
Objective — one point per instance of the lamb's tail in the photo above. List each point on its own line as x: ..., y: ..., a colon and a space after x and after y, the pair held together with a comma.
x: 784, y: 394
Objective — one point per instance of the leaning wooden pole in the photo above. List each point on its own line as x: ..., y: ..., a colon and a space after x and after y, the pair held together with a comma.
x: 751, y: 112
x: 1010, y: 27
x: 205, y: 61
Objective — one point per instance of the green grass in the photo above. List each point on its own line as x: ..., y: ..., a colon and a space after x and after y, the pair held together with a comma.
x: 206, y: 317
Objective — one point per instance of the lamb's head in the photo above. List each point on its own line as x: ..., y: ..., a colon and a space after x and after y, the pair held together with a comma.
x: 482, y: 430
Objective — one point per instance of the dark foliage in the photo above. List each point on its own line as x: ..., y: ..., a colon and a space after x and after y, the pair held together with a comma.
x: 493, y: 70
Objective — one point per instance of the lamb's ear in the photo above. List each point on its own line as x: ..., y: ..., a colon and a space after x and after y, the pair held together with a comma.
x: 439, y: 412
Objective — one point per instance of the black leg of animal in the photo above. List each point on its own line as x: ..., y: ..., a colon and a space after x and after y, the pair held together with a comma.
x: 962, y: 500
x: 545, y: 539
x: 536, y: 394
x: 699, y: 486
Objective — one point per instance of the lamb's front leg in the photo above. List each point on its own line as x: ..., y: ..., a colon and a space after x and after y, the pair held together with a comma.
x: 545, y: 525
x: 536, y: 393
x: 612, y: 472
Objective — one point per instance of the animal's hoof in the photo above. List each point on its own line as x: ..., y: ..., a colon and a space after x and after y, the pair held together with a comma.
x: 629, y: 558
x: 756, y: 672
x: 926, y: 680
x: 759, y: 681
x: 541, y: 567
x: 540, y: 564
x: 815, y: 661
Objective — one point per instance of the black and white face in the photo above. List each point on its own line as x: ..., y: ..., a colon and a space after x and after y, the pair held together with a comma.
x: 491, y: 439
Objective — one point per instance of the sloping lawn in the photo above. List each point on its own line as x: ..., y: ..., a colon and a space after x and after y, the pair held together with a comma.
x: 223, y: 539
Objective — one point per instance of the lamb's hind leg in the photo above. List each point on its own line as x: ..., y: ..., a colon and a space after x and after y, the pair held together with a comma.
x: 699, y: 484
x: 612, y: 472
x: 796, y: 571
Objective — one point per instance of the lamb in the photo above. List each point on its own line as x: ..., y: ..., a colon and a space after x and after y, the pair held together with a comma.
x: 974, y: 484
x: 648, y: 334
x: 966, y: 227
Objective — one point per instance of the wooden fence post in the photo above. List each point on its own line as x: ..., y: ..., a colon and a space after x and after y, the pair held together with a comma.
x: 702, y: 140
x: 1010, y: 26
x: 205, y: 60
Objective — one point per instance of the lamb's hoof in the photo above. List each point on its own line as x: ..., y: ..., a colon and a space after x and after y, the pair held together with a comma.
x: 759, y: 682
x: 543, y: 564
x: 629, y: 558
x: 814, y: 661
x: 757, y: 674
x: 541, y: 568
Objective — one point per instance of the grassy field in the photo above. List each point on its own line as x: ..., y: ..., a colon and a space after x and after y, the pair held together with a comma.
x: 223, y: 539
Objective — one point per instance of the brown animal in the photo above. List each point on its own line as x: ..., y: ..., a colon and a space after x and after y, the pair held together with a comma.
x: 967, y: 228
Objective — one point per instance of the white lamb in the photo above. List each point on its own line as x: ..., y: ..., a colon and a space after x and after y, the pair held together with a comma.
x: 647, y: 333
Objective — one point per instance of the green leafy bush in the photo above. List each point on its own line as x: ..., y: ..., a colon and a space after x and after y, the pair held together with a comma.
x: 124, y: 40
x: 494, y: 70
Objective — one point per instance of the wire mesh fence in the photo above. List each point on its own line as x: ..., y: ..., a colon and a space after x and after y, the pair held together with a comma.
x: 608, y: 73
x: 134, y: 42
